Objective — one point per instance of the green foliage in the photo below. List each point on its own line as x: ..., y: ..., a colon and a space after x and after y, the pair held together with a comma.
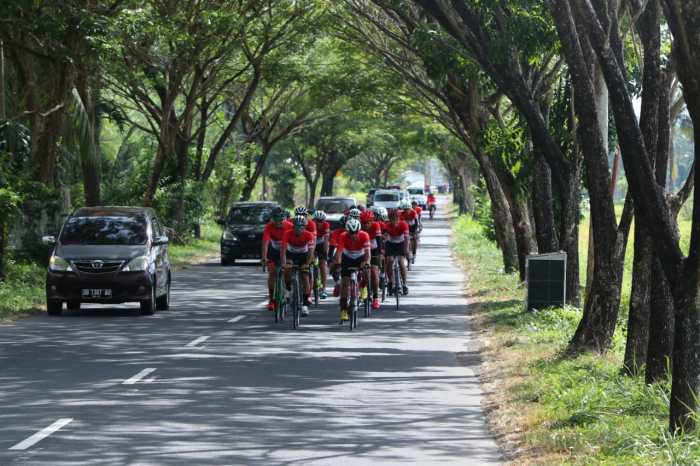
x: 283, y: 178
x: 582, y: 409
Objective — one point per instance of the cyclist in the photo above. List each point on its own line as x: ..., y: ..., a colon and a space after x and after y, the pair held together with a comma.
x: 353, y: 252
x: 374, y: 230
x: 410, y: 216
x: 298, y: 246
x: 323, y: 231
x: 418, y: 209
x: 273, y: 235
x: 332, y: 246
x: 354, y: 213
x: 310, y: 224
x: 432, y: 204
x: 396, y: 244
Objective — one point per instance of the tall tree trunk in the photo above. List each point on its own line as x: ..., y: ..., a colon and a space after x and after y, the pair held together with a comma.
x: 543, y: 207
x: 640, y: 296
x: 595, y: 331
x: 255, y: 173
x: 328, y: 180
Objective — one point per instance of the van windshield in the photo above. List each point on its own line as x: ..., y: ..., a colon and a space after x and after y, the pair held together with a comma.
x: 415, y: 191
x: 386, y: 197
x: 334, y: 206
x: 249, y: 215
x: 105, y: 230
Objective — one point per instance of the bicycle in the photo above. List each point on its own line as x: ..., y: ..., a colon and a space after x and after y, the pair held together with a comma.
x: 397, y: 286
x: 297, y: 297
x: 316, y: 281
x: 353, y: 297
x: 366, y: 292
x: 279, y: 297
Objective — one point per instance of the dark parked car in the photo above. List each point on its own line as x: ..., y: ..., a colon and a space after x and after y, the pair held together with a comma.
x: 243, y: 229
x: 109, y: 255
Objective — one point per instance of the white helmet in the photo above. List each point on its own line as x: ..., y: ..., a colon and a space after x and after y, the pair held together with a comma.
x: 319, y: 215
x: 353, y: 225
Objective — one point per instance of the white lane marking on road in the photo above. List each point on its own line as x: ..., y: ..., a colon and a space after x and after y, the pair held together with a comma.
x: 196, y: 341
x: 263, y: 304
x: 139, y: 376
x: 236, y: 319
x: 42, y: 434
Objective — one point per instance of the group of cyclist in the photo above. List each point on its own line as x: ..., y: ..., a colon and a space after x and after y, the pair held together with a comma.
x: 368, y: 238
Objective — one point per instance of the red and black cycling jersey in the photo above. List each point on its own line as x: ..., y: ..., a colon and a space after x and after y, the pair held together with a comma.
x: 298, y: 243
x: 396, y: 232
x: 335, y: 236
x: 431, y: 199
x: 419, y: 210
x: 323, y: 230
x: 409, y: 216
x: 311, y: 227
x: 374, y: 231
x: 354, y: 246
x: 275, y: 234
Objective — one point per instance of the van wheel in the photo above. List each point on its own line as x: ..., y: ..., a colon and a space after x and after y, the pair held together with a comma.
x: 148, y: 306
x: 54, y: 307
x: 73, y: 305
x: 163, y: 302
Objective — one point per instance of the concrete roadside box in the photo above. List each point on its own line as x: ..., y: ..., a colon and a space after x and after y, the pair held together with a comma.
x: 546, y: 280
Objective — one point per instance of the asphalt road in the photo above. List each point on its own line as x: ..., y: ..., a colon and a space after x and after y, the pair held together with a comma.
x: 213, y: 381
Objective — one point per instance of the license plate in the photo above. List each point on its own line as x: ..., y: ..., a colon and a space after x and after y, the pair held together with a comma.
x: 96, y: 293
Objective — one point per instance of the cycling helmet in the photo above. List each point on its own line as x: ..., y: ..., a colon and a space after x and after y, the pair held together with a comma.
x: 354, y: 213
x: 301, y: 210
x: 361, y: 208
x: 414, y: 203
x: 366, y: 217
x: 300, y: 221
x: 278, y: 214
x: 320, y: 216
x: 404, y: 204
x: 353, y: 225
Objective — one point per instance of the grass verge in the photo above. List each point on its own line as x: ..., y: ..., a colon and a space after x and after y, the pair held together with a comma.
x: 22, y: 292
x: 549, y: 409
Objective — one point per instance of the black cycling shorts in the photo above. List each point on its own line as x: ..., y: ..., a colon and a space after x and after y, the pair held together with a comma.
x: 273, y: 255
x: 297, y: 258
x: 413, y: 228
x: 321, y: 252
x: 347, y: 263
x: 376, y: 256
x: 395, y: 249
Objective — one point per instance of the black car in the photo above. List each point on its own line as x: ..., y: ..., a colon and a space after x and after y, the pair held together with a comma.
x: 109, y: 255
x: 243, y: 229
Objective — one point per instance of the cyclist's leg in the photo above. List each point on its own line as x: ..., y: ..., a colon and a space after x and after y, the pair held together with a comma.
x: 271, y: 278
x: 323, y: 268
x: 374, y: 275
x: 402, y: 263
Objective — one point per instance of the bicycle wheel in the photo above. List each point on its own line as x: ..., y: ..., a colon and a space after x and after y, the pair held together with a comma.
x: 316, y: 282
x: 279, y: 298
x: 397, y: 283
x: 296, y: 302
x: 368, y: 299
x: 382, y: 285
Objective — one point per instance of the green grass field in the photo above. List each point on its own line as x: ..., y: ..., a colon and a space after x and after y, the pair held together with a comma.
x: 553, y: 409
x: 23, y: 290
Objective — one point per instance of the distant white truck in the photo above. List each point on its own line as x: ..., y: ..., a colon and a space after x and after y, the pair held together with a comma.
x: 387, y: 198
x: 418, y: 194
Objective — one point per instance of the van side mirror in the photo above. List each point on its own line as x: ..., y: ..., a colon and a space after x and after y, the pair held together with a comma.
x: 48, y: 240
x: 160, y: 240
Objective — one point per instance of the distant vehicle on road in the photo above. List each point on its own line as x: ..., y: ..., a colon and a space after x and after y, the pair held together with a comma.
x: 109, y: 255
x: 370, y: 197
x: 243, y: 229
x: 418, y: 195
x: 335, y: 208
x: 387, y: 198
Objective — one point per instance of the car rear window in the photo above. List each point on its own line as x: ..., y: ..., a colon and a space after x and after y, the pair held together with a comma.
x: 105, y: 230
x: 250, y: 215
x: 415, y: 191
x: 334, y: 206
x: 386, y: 197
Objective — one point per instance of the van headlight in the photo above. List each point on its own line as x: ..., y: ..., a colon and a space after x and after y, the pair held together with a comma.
x: 59, y: 264
x: 228, y: 236
x: 137, y: 264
